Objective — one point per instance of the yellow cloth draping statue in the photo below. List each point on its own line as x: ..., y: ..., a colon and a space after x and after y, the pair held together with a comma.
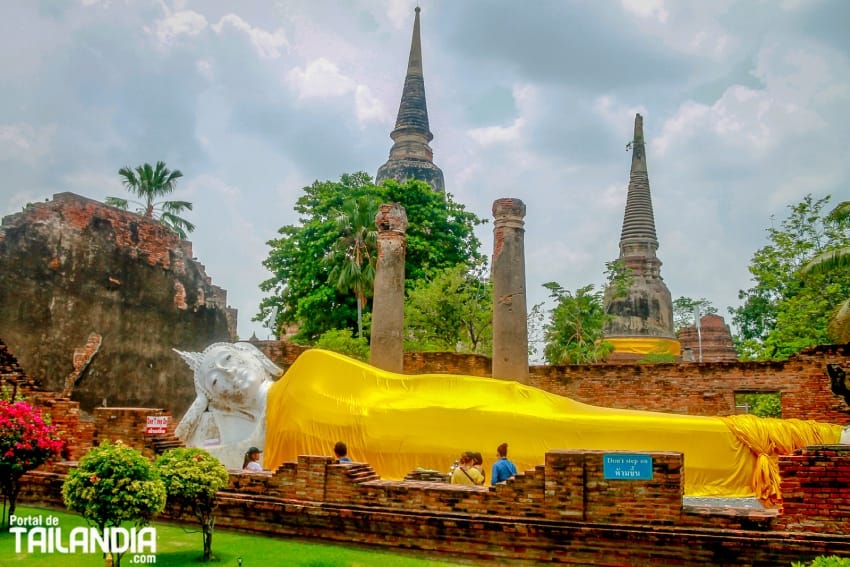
x: 398, y: 423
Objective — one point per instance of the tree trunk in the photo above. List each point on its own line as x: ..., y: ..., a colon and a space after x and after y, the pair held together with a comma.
x: 11, y: 488
x: 359, y: 317
x: 207, y: 524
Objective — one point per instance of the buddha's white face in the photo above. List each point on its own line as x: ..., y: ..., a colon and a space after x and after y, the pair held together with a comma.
x: 232, y: 378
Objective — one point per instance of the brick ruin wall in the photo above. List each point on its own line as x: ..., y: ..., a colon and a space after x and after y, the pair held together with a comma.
x: 563, y: 511
x: 707, y: 388
x: 71, y: 267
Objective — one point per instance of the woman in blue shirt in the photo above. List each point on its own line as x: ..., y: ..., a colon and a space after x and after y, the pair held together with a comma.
x: 503, y: 469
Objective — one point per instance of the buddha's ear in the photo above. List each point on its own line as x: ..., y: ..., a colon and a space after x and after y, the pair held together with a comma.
x: 192, y: 359
x: 270, y: 367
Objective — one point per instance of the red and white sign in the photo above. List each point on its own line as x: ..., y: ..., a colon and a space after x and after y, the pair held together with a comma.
x: 157, y: 424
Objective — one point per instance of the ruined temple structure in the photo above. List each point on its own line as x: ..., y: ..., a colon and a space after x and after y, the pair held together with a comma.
x: 387, y: 344
x: 712, y: 344
x: 643, y: 319
x: 410, y: 156
x: 510, y: 313
x: 71, y: 267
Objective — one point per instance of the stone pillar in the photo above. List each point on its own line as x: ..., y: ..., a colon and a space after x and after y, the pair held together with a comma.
x: 387, y: 348
x: 510, y: 322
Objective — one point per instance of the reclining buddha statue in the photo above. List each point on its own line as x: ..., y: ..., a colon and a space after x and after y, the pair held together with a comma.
x: 398, y: 423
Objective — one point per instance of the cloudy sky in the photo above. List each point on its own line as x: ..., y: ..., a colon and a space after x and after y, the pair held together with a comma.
x: 746, y: 108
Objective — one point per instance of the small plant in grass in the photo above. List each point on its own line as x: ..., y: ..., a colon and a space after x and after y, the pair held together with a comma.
x: 27, y: 440
x: 825, y: 561
x: 192, y: 478
x: 114, y: 484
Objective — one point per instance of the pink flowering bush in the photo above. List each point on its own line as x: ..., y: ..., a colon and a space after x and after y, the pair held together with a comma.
x: 27, y: 440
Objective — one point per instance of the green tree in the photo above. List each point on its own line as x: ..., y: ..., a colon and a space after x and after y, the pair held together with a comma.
x: 573, y: 334
x: 342, y: 341
x: 27, y: 440
x: 114, y: 484
x: 149, y: 184
x: 192, y: 478
x: 785, y: 310
x: 683, y: 311
x: 452, y: 312
x: 835, y: 259
x: 352, y: 257
x: 440, y: 235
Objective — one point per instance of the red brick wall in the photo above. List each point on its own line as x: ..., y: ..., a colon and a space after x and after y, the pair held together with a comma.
x: 705, y: 389
x: 816, y: 489
x: 64, y: 415
x: 561, y: 512
x: 82, y: 267
x: 128, y: 426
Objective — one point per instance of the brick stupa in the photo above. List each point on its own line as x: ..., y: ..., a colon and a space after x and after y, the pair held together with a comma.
x: 410, y: 156
x: 713, y: 342
x: 642, y: 317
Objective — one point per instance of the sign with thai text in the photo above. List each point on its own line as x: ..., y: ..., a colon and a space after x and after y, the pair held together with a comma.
x: 157, y: 424
x: 624, y: 466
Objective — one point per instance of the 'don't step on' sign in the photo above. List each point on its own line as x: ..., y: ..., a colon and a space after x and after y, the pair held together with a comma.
x: 156, y: 425
x: 626, y: 466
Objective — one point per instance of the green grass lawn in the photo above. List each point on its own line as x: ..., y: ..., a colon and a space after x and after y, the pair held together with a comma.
x: 177, y: 546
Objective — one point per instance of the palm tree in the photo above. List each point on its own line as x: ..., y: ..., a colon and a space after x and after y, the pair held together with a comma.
x: 149, y: 183
x: 839, y: 258
x: 352, y: 257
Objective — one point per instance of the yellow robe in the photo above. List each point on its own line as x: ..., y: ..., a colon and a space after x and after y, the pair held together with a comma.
x: 398, y: 423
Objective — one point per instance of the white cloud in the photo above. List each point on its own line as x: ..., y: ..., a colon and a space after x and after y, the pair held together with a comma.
x: 205, y: 68
x: 177, y: 24
x: 93, y: 183
x: 211, y: 185
x: 619, y: 118
x: 803, y: 74
x: 321, y: 78
x: 369, y: 108
x: 498, y: 134
x: 267, y: 44
x: 797, y: 81
x: 25, y: 143
x: 647, y: 9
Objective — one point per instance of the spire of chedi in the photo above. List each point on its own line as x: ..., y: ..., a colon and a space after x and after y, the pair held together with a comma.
x: 411, y: 156
x: 642, y: 315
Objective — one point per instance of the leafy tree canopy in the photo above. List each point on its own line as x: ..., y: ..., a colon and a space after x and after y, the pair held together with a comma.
x: 149, y: 184
x: 114, y: 484
x: 343, y: 342
x: 439, y: 235
x: 785, y: 310
x: 452, y: 312
x: 574, y: 332
x: 192, y: 477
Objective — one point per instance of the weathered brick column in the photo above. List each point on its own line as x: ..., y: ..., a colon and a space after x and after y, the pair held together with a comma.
x: 510, y: 324
x: 387, y: 348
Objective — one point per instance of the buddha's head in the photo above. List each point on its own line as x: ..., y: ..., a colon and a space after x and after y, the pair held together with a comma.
x: 232, y: 376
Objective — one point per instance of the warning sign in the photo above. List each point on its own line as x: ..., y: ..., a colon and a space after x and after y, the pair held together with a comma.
x: 157, y: 424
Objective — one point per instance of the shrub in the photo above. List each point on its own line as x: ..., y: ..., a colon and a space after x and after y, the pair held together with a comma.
x: 27, y: 440
x: 192, y: 477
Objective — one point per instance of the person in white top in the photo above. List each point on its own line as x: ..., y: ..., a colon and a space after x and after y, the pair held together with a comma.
x: 252, y: 460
